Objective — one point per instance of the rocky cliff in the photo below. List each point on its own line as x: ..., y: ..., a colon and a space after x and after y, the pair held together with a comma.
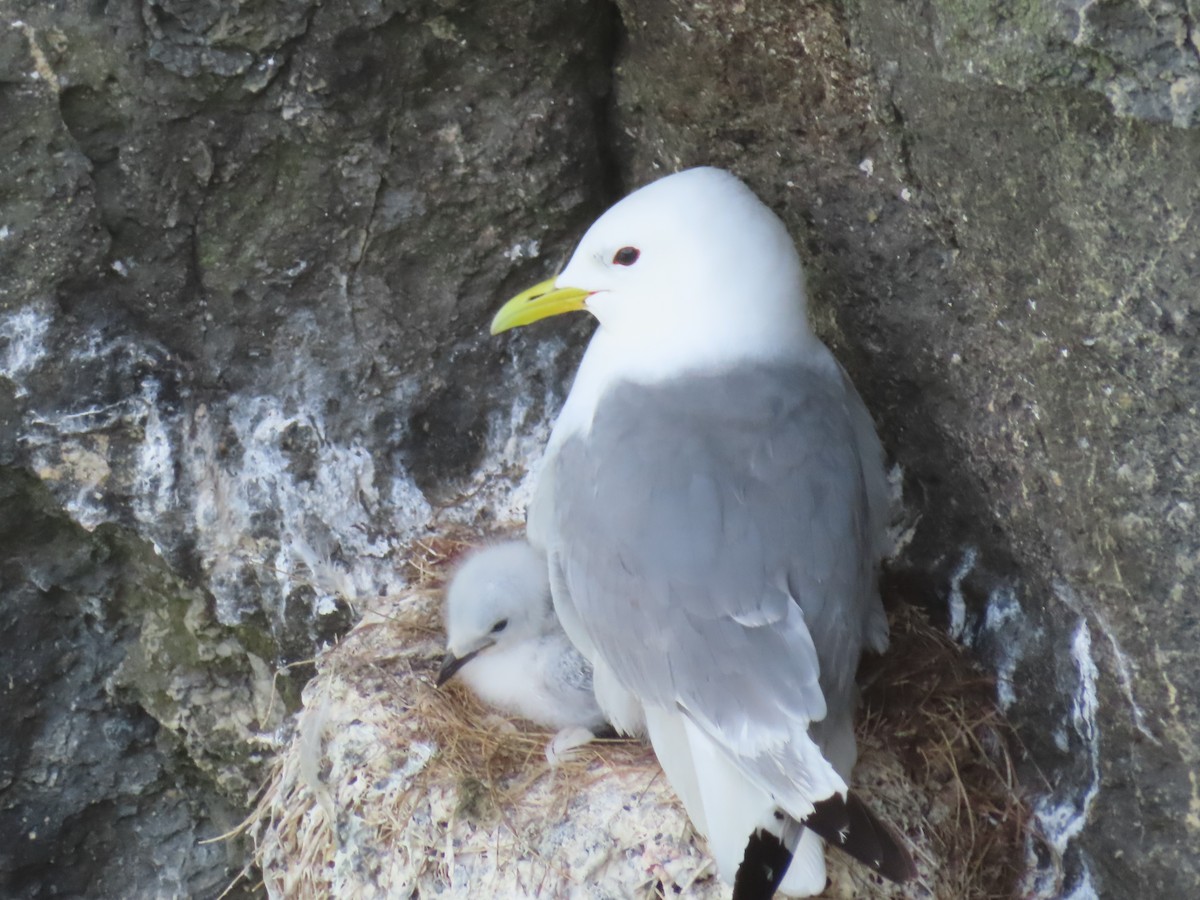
x: 247, y: 258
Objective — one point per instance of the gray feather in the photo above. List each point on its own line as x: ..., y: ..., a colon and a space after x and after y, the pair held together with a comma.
x: 697, y: 517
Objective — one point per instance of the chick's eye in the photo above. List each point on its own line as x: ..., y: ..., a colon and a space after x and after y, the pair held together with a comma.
x: 626, y: 256
x: 500, y: 626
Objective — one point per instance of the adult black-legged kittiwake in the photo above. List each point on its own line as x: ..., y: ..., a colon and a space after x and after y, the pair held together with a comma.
x: 504, y: 640
x: 712, y: 507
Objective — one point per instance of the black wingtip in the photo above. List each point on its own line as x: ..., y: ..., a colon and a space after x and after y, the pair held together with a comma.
x: 848, y: 824
x: 764, y: 864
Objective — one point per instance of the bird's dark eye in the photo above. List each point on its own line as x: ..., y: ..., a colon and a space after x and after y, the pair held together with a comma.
x: 500, y: 626
x: 626, y: 256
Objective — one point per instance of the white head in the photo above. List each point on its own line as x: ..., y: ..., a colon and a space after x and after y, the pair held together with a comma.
x: 690, y: 271
x: 499, y: 596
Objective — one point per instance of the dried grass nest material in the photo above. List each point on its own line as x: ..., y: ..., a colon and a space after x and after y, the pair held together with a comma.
x: 391, y: 788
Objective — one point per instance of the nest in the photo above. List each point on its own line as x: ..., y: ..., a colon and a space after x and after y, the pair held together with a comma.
x: 392, y: 788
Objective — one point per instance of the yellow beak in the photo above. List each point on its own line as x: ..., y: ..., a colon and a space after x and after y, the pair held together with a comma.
x: 539, y: 302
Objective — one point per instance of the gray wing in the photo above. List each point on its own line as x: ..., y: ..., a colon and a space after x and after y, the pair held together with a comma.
x: 572, y: 670
x: 878, y: 496
x: 569, y: 678
x: 714, y: 537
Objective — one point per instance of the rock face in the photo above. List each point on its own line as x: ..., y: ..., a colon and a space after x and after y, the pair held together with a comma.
x: 119, y: 691
x: 1076, y: 324
x: 247, y: 256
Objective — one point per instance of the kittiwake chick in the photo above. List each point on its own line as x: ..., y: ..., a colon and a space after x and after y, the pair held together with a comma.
x: 505, y: 642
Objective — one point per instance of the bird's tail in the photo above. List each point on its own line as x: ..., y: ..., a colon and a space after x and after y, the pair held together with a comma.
x: 848, y: 824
